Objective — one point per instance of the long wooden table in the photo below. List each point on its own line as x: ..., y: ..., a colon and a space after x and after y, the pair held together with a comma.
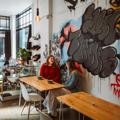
x: 41, y: 85
x: 91, y: 106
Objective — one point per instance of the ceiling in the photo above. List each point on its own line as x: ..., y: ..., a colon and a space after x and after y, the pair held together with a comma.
x: 13, y: 7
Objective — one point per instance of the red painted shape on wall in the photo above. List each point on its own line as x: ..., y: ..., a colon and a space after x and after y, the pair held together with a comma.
x: 116, y: 85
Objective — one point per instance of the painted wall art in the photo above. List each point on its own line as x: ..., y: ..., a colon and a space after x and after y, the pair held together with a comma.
x: 71, y: 4
x: 55, y: 47
x: 71, y: 25
x: 91, y: 44
x: 45, y: 53
x: 116, y: 85
x: 36, y: 45
x: 115, y: 4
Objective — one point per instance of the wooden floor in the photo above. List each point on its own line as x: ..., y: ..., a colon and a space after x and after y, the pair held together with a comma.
x: 10, y: 110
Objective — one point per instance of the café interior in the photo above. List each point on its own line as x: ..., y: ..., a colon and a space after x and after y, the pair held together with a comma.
x: 87, y: 32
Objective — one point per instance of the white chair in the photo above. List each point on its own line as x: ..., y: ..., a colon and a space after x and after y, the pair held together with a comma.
x: 29, y: 98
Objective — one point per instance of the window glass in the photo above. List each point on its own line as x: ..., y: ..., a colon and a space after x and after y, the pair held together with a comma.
x: 2, y: 45
x: 23, y: 21
x: 8, y: 24
x: 4, y: 23
x: 4, y: 26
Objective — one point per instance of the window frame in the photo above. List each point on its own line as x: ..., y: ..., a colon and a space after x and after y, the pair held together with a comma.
x: 21, y: 19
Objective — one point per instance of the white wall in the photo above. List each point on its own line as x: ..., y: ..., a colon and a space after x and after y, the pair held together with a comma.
x: 92, y: 84
x: 13, y: 36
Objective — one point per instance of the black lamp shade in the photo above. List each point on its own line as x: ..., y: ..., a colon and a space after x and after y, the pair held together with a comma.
x: 37, y: 11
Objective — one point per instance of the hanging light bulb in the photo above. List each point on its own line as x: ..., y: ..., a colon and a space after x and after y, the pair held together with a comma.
x: 37, y: 17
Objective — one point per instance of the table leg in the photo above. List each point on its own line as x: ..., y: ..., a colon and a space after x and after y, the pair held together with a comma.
x: 79, y: 115
x: 83, y: 117
x: 61, y: 111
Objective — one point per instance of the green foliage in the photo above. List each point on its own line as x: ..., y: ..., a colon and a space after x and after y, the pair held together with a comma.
x: 23, y: 53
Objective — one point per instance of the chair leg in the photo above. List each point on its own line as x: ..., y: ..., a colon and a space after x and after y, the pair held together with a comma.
x: 20, y: 97
x: 23, y: 107
x: 33, y: 106
x: 29, y: 110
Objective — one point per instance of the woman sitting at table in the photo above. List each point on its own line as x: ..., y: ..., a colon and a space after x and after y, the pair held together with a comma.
x: 71, y: 85
x: 50, y: 70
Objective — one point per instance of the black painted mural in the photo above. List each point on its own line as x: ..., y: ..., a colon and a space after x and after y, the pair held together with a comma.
x: 91, y: 44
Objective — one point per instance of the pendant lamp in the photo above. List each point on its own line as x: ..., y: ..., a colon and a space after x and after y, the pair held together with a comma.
x: 37, y: 17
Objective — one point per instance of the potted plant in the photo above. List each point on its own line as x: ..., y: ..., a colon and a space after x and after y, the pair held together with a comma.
x: 22, y: 55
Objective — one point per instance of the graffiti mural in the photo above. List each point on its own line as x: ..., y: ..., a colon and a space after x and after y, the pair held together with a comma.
x: 72, y: 3
x: 71, y: 25
x: 36, y: 46
x: 45, y: 53
x: 64, y: 41
x: 115, y: 4
x: 116, y: 85
x: 91, y: 44
x: 55, y: 46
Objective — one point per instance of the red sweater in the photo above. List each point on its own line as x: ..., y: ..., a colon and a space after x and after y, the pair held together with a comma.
x: 50, y: 72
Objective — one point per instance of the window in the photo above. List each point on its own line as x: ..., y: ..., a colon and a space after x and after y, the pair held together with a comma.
x: 2, y: 46
x: 23, y: 28
x: 4, y: 23
x: 4, y: 38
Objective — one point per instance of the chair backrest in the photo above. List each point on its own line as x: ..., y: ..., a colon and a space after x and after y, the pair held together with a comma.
x: 24, y: 92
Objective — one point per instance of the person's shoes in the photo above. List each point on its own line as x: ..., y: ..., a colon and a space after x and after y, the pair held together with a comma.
x: 52, y: 116
x: 39, y: 107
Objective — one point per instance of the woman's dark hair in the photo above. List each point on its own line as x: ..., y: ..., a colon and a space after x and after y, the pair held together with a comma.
x: 71, y: 65
x: 47, y: 61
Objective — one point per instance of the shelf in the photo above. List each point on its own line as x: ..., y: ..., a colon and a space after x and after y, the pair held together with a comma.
x: 9, y: 95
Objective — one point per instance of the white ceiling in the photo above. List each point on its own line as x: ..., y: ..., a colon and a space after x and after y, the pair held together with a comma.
x: 13, y: 7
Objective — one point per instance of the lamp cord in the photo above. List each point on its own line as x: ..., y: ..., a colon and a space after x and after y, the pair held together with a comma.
x: 37, y: 3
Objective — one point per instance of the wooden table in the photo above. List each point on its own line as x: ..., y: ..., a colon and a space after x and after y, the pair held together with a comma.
x: 91, y: 106
x: 41, y: 85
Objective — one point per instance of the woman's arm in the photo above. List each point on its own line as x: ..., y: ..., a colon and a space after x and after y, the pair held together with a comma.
x: 71, y: 82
